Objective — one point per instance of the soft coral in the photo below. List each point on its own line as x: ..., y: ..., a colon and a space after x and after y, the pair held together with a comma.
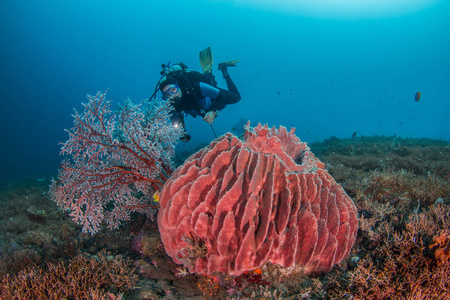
x: 442, y: 242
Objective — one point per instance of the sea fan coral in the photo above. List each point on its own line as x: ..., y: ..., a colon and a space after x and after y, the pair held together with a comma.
x: 117, y: 160
x: 237, y: 205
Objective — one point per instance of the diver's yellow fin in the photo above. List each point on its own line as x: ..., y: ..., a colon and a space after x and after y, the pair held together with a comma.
x: 231, y: 63
x: 206, y: 60
x: 224, y: 65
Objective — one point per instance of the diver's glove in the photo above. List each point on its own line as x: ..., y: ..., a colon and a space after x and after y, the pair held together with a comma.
x: 224, y: 65
x: 185, y: 137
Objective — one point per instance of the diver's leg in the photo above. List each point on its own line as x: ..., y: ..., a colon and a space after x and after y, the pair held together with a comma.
x: 230, y: 84
x: 226, y: 97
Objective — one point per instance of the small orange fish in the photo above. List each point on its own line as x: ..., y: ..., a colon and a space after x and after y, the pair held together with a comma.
x: 258, y: 271
x: 156, y: 196
x: 418, y: 95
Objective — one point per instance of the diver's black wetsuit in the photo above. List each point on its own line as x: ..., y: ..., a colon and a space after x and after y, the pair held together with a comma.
x: 200, y: 96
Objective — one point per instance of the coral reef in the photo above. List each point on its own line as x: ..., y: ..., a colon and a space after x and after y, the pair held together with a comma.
x: 238, y: 205
x: 401, y: 188
x: 393, y: 260
x: 442, y: 246
x: 409, y: 162
x: 100, y: 277
x: 402, y: 191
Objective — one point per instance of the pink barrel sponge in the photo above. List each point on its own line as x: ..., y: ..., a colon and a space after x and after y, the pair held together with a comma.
x: 236, y: 205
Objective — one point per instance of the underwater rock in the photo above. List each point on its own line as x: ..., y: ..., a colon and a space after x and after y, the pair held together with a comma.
x: 237, y: 205
x: 36, y: 215
x: 146, y: 244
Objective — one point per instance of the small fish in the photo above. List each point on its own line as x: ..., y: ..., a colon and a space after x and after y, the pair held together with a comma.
x: 354, y: 134
x: 41, y: 178
x: 156, y: 196
x: 417, y: 97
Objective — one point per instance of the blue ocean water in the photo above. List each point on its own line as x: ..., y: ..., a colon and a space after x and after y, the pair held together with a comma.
x: 327, y: 72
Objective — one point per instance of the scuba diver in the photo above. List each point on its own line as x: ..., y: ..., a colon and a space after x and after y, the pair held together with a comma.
x: 196, y: 94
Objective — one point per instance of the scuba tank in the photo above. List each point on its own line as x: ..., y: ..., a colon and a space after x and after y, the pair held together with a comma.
x: 174, y: 70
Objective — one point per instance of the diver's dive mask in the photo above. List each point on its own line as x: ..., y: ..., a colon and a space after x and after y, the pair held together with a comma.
x: 170, y: 92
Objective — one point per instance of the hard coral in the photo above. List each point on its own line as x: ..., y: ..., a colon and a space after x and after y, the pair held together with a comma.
x: 393, y: 259
x: 237, y: 205
x: 82, y: 278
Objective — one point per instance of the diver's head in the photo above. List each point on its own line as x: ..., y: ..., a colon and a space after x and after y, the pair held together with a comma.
x: 167, y: 80
x: 169, y: 88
